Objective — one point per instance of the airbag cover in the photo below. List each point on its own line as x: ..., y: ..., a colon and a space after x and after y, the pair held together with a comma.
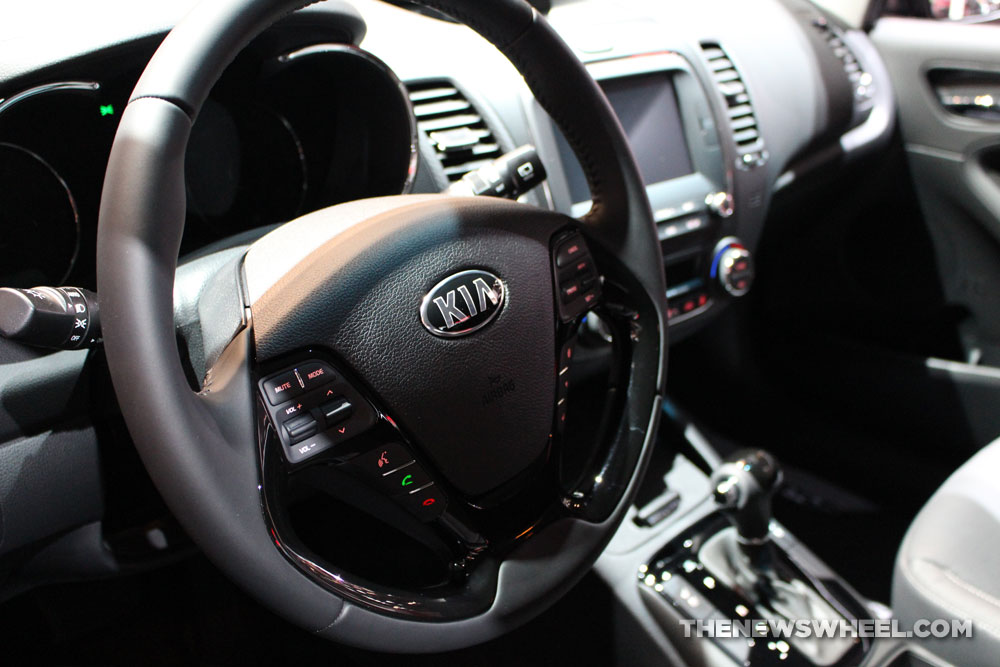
x: 352, y: 278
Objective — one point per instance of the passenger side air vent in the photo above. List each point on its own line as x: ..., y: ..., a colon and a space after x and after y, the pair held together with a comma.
x: 739, y: 107
x: 461, y: 139
x: 861, y: 81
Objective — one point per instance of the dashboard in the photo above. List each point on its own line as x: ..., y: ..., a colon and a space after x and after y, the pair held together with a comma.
x: 726, y: 103
x: 312, y: 115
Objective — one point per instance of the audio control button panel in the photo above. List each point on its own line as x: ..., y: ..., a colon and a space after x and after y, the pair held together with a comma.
x: 577, y: 279
x: 313, y: 409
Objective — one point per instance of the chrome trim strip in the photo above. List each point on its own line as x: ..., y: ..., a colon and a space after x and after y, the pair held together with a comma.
x: 960, y: 368
x: 85, y: 86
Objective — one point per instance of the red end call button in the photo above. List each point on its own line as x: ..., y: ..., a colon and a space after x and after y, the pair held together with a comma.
x: 426, y: 503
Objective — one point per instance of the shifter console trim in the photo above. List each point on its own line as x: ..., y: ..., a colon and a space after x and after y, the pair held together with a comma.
x: 678, y: 576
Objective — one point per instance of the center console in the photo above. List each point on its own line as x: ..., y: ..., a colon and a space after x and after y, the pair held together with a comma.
x: 679, y: 125
x: 703, y: 575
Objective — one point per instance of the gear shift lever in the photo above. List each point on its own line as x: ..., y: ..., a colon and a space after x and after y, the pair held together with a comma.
x: 746, y: 561
x: 743, y: 486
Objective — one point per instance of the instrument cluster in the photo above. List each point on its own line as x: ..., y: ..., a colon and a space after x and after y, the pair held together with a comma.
x: 284, y: 132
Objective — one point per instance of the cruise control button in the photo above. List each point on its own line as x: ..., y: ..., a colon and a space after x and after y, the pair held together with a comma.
x: 426, y: 503
x: 569, y: 252
x: 282, y: 388
x: 299, y: 428
x: 337, y: 410
x: 570, y: 291
x: 382, y: 460
x: 315, y: 373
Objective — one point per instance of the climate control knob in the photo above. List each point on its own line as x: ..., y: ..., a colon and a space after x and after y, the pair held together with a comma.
x: 733, y: 266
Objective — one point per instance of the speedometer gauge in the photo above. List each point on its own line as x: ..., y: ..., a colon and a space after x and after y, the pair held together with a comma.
x: 39, y: 221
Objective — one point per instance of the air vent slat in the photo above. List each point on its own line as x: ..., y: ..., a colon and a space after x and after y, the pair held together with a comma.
x: 445, y: 107
x: 458, y: 171
x: 732, y: 88
x: 720, y: 64
x: 460, y: 136
x: 449, y: 122
x: 739, y: 108
x: 743, y: 122
x: 728, y: 74
x: 432, y: 94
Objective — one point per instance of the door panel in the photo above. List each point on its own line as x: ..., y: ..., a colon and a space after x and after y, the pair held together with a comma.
x: 947, y: 81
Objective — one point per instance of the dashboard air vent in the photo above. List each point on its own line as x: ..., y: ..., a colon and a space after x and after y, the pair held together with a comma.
x: 739, y: 106
x: 861, y: 81
x: 460, y: 137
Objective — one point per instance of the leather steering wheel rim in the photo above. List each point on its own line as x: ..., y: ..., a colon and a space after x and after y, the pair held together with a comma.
x: 197, y: 446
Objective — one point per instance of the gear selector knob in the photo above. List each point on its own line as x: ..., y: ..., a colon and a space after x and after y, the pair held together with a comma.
x: 743, y: 486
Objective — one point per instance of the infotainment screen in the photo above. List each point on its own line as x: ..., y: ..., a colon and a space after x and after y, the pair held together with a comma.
x: 646, y: 105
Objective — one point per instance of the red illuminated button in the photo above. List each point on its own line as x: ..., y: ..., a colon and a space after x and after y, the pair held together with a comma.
x: 315, y: 373
x: 569, y: 252
x: 282, y: 388
x: 426, y: 503
x: 382, y: 460
x: 570, y: 291
x: 702, y: 299
x: 688, y: 306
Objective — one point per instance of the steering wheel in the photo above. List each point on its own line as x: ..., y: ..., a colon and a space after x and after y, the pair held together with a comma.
x: 410, y: 333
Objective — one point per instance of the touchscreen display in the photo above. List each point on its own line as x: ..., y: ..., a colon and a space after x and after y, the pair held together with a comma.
x: 646, y: 105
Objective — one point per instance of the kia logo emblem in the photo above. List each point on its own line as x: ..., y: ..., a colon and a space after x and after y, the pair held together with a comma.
x: 462, y: 303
